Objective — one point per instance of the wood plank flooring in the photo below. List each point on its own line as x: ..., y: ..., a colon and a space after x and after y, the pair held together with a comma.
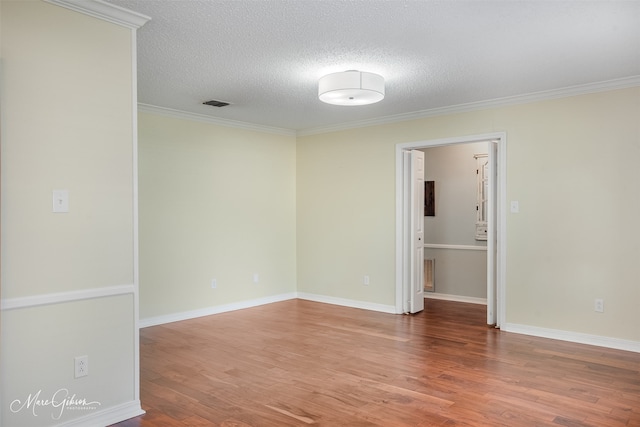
x: 301, y: 363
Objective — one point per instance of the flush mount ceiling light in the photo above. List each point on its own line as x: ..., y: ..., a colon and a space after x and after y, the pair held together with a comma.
x: 351, y: 88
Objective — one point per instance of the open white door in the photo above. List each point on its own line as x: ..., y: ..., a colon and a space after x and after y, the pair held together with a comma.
x: 492, y: 192
x: 496, y: 240
x: 414, y: 231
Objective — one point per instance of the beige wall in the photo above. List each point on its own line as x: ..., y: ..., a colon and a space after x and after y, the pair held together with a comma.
x: 215, y: 203
x: 58, y: 134
x: 572, y: 165
x: 343, y: 183
x: 67, y: 123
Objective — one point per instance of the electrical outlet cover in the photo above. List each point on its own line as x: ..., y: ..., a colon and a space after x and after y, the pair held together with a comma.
x: 599, y: 305
x: 81, y: 365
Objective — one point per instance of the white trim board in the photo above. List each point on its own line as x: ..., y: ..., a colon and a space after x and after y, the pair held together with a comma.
x: 508, y: 327
x: 135, y: 213
x: 186, y: 315
x: 208, y: 311
x: 169, y: 112
x: 456, y: 298
x: 64, y: 297
x: 440, y: 111
x: 105, y: 11
x: 577, y: 337
x: 108, y: 416
x: 383, y: 308
x: 585, y: 89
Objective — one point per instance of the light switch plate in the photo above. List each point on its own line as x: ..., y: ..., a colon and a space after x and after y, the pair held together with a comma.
x: 60, y: 201
x: 515, y: 206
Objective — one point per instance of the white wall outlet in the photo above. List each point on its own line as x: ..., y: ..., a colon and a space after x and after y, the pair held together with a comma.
x: 256, y: 278
x: 60, y: 201
x: 214, y: 283
x: 81, y: 366
x: 599, y: 305
x: 365, y: 281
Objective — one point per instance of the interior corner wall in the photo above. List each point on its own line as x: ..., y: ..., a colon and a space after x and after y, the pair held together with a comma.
x: 572, y: 165
x: 67, y: 278
x: 216, y: 203
x: 346, y: 221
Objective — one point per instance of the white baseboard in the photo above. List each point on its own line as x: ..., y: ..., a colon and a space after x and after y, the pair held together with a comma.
x: 348, y: 302
x: 456, y: 298
x: 108, y: 416
x: 576, y: 337
x: 176, y: 317
x: 185, y: 315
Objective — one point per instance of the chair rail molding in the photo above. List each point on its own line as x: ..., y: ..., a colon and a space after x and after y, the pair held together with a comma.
x: 64, y: 297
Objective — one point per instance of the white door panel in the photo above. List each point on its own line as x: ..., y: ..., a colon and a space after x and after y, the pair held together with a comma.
x: 414, y: 193
x: 492, y: 301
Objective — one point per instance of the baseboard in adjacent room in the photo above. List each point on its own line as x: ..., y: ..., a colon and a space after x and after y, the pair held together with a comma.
x: 456, y: 298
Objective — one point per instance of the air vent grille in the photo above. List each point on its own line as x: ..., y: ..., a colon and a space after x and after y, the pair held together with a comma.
x: 215, y: 103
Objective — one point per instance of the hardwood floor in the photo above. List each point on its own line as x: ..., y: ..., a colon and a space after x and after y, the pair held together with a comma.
x: 299, y: 363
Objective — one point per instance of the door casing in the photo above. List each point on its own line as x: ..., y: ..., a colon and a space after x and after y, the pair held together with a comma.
x: 500, y: 168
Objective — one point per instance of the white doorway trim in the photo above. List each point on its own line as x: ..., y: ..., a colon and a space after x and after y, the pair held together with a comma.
x: 501, y: 140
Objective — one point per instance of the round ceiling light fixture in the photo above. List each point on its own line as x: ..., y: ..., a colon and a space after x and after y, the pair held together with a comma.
x: 351, y: 88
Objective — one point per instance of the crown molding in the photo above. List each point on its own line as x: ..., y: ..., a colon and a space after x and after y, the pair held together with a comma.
x: 169, y: 112
x: 622, y: 83
x: 608, y: 85
x: 105, y: 11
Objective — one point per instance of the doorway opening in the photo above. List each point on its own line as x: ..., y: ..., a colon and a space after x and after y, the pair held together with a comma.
x: 495, y: 219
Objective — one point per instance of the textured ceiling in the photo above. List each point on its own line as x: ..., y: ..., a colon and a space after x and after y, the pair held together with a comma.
x: 265, y: 57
